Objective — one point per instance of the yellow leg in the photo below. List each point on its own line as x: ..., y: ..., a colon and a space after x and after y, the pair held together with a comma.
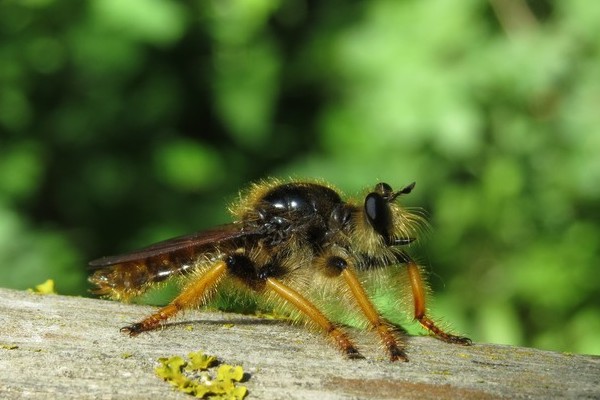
x: 305, y: 306
x: 192, y: 296
x: 383, y: 329
x: 418, y: 291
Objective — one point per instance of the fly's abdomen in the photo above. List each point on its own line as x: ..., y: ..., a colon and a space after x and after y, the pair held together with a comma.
x: 125, y: 280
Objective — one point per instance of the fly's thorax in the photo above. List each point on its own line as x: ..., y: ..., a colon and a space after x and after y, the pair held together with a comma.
x: 285, y: 212
x: 301, y: 196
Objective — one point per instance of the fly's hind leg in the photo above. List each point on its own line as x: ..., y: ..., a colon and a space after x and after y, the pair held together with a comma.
x: 194, y: 294
x: 418, y: 293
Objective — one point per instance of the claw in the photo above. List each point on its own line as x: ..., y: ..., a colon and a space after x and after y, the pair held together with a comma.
x: 353, y: 354
x: 398, y: 355
x: 133, y: 329
x: 465, y: 341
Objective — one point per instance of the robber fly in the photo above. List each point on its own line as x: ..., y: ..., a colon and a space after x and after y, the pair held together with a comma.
x: 292, y: 243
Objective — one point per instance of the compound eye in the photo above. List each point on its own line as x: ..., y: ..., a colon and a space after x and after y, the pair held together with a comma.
x: 379, y: 214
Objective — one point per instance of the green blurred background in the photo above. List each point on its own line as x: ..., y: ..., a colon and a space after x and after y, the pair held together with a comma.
x: 128, y: 122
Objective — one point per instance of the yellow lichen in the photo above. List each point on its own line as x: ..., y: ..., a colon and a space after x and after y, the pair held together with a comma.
x: 195, y: 377
x: 44, y: 288
x: 200, y: 361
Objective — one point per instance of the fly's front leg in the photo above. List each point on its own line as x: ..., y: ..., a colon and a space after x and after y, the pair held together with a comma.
x: 418, y: 293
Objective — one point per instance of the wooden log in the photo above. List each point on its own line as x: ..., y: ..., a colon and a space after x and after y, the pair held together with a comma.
x: 54, y: 346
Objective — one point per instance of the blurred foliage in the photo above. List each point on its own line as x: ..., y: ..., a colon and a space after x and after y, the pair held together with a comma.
x: 127, y: 122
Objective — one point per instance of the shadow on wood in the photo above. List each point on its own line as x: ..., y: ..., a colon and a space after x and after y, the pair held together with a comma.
x: 70, y: 348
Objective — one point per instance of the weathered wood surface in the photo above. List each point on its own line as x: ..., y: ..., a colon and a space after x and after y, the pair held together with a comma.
x: 70, y: 348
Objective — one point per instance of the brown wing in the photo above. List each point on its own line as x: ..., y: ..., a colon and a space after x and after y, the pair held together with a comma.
x: 200, y: 242
x: 127, y: 275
